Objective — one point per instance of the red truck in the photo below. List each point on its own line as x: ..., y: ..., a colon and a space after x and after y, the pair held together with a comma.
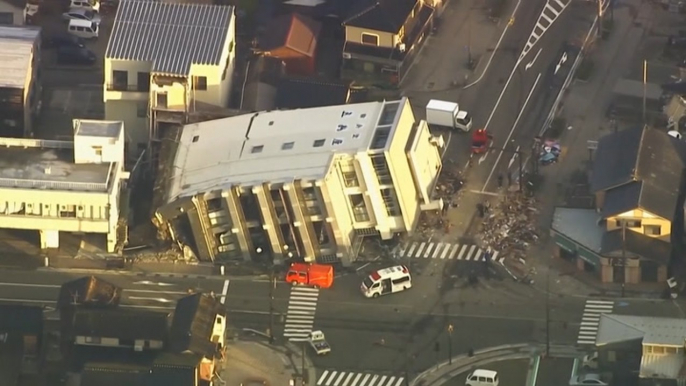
x: 314, y: 275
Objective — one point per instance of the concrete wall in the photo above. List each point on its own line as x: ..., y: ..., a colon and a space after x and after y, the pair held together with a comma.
x: 646, y: 219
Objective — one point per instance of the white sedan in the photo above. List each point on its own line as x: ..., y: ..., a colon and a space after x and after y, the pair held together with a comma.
x: 81, y: 14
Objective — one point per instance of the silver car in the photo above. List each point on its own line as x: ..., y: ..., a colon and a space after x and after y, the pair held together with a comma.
x: 81, y: 14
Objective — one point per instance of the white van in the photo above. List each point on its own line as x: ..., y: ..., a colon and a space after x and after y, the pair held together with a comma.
x: 386, y: 281
x: 482, y: 378
x: 83, y: 28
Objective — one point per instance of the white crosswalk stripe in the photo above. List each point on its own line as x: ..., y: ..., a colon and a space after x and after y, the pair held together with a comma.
x: 591, y: 319
x: 447, y: 251
x: 348, y: 378
x: 302, y: 306
x: 550, y: 13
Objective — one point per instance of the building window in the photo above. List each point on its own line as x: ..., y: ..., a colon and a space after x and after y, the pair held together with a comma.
x: 257, y: 149
x: 287, y: 145
x: 92, y: 340
x: 380, y: 138
x: 652, y: 230
x: 628, y: 223
x: 383, y: 173
x: 372, y: 40
x: 142, y: 109
x: 67, y: 211
x: 390, y: 201
x: 359, y: 208
x: 319, y: 142
x: 97, y: 150
x: 162, y: 100
x: 196, y: 138
x: 120, y: 80
x: 349, y: 174
x: 143, y: 81
x: 611, y: 356
x: 200, y: 83
x: 388, y: 114
x: 671, y: 350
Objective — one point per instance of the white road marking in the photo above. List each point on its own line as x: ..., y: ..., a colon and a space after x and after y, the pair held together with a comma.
x: 507, y: 140
x: 225, y: 291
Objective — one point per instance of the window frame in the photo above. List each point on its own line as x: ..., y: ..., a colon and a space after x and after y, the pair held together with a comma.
x: 367, y: 34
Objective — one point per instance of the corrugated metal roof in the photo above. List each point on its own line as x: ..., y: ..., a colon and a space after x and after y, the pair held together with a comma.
x: 661, y: 366
x: 171, y: 36
x: 16, y: 50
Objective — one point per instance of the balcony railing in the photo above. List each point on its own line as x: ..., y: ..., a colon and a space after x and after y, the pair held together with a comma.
x: 128, y: 87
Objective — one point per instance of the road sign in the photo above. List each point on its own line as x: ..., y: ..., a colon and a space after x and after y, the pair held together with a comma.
x: 592, y: 145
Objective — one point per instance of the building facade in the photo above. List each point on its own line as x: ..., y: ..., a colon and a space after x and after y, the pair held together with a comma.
x: 63, y: 186
x: 20, y: 84
x: 164, y: 61
x: 304, y: 184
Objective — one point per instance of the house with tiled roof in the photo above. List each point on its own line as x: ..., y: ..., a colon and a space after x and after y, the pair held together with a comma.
x: 638, y: 185
x: 382, y: 37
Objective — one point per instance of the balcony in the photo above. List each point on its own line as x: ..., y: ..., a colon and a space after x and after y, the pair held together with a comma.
x: 114, y: 91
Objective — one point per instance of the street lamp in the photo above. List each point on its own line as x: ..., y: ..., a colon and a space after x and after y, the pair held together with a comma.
x: 450, y: 344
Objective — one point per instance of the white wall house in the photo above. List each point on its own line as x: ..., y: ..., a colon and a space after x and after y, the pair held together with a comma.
x: 164, y: 61
x: 64, y: 186
x: 308, y: 183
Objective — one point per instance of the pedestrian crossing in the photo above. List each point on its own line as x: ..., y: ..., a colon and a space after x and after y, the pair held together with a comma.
x: 590, y: 319
x: 550, y: 13
x: 448, y: 251
x: 346, y: 378
x: 302, y: 306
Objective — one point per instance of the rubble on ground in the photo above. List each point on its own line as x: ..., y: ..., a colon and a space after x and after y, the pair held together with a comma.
x: 510, y: 226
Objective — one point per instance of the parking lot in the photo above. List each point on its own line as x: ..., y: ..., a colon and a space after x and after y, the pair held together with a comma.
x: 70, y: 92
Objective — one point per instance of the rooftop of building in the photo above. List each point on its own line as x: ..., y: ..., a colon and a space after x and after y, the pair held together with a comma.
x: 171, y: 36
x: 277, y: 146
x: 650, y: 330
x: 49, y: 165
x: 94, y: 128
x: 16, y: 52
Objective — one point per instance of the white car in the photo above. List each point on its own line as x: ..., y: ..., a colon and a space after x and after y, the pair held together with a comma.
x: 587, y: 379
x: 81, y: 14
x: 590, y: 362
x: 85, y: 4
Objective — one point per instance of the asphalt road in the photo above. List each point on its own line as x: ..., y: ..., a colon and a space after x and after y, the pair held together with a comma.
x: 554, y: 372
x: 511, y: 373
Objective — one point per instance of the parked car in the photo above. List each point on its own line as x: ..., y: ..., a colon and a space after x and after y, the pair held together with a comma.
x: 81, y: 14
x: 85, y: 4
x: 75, y: 55
x: 63, y: 40
x: 590, y: 362
x: 587, y: 379
x: 319, y: 343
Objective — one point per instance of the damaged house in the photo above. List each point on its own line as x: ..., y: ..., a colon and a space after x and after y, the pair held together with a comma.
x: 306, y: 184
x: 638, y: 183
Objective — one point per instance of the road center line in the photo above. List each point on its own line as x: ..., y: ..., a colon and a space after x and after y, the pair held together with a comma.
x: 225, y: 291
x: 514, y: 126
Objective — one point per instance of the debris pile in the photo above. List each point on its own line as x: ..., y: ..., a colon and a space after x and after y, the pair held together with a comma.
x: 449, y: 183
x: 510, y: 227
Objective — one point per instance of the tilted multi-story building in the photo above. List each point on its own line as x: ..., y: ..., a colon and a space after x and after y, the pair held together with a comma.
x: 307, y: 183
x: 164, y: 61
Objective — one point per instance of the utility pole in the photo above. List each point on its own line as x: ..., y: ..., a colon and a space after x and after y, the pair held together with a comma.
x: 547, y: 312
x: 302, y: 364
x: 645, y: 86
x: 600, y: 18
x: 450, y: 344
x: 623, y: 265
x: 272, y: 285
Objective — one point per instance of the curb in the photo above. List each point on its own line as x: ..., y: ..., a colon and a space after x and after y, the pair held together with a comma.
x: 445, y: 371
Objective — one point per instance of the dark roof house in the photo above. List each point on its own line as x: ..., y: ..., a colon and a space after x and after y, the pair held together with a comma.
x: 89, y: 291
x: 21, y: 329
x: 120, y: 323
x: 639, y: 168
x: 302, y: 92
x: 24, y: 320
x: 193, y: 325
x: 293, y: 39
x: 380, y: 15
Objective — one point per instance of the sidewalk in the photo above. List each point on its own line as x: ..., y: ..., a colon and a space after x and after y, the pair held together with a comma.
x: 443, y: 372
x: 584, y: 110
x: 256, y: 363
x: 467, y: 30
